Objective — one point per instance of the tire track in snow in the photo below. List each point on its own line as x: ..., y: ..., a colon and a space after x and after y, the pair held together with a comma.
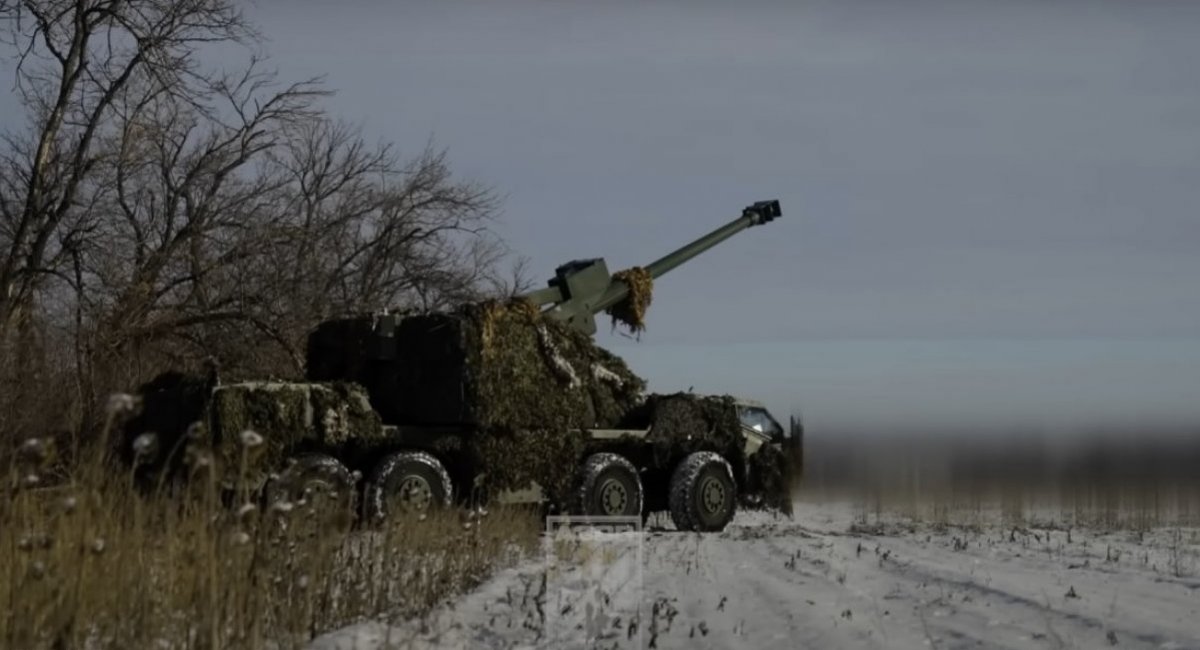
x: 805, y: 584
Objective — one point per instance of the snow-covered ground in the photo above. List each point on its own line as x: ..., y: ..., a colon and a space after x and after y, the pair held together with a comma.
x: 824, y: 580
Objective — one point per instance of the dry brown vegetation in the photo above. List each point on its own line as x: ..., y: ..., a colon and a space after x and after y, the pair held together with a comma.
x: 96, y: 562
x: 631, y: 310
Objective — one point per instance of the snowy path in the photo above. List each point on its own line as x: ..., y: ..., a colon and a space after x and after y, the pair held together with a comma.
x: 816, y: 581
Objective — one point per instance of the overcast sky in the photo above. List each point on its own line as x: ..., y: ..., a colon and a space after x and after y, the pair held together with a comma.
x: 989, y: 207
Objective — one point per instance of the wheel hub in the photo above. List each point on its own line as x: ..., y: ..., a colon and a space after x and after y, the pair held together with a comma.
x: 318, y: 496
x: 415, y: 493
x: 712, y: 495
x: 613, y: 497
x: 309, y: 492
x: 314, y: 487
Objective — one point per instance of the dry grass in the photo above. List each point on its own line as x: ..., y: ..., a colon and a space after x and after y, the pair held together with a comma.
x: 96, y: 562
x: 631, y: 311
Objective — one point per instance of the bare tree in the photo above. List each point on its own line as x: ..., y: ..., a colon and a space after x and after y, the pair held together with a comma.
x: 77, y: 57
x: 156, y: 213
x: 359, y: 230
x: 187, y: 192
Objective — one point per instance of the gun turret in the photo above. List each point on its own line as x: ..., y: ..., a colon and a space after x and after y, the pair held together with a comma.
x: 581, y: 289
x: 345, y: 348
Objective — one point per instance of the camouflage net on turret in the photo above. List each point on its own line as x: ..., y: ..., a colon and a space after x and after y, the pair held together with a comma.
x: 523, y: 380
x: 502, y: 365
x: 631, y: 311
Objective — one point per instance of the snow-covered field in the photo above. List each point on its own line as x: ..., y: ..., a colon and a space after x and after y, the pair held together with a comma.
x: 824, y: 579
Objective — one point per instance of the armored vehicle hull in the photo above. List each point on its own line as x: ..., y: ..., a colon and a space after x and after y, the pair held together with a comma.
x: 501, y: 399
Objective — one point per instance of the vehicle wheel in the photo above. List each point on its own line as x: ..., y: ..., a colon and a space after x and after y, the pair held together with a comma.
x: 610, y: 487
x: 703, y: 493
x: 316, y: 484
x: 409, y: 481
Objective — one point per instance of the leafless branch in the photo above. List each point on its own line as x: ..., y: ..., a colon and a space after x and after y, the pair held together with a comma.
x: 156, y: 211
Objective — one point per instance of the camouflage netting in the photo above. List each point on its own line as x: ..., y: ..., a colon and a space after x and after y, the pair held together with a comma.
x: 504, y: 366
x: 289, y: 416
x: 514, y: 460
x: 283, y: 415
x: 682, y: 423
x: 774, y: 478
x: 523, y: 380
x: 631, y: 311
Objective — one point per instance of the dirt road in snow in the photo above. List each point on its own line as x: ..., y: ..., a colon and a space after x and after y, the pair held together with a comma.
x: 821, y: 580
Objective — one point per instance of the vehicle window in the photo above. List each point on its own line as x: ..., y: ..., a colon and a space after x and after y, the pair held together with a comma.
x: 761, y: 421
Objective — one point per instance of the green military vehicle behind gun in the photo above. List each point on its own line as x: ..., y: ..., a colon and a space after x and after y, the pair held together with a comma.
x: 511, y: 402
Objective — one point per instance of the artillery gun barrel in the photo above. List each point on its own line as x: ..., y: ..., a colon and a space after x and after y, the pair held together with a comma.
x: 755, y: 215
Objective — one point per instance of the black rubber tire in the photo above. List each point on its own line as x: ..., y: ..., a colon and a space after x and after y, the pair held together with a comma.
x: 610, y: 486
x: 703, y: 493
x: 403, y: 472
x: 314, y: 473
